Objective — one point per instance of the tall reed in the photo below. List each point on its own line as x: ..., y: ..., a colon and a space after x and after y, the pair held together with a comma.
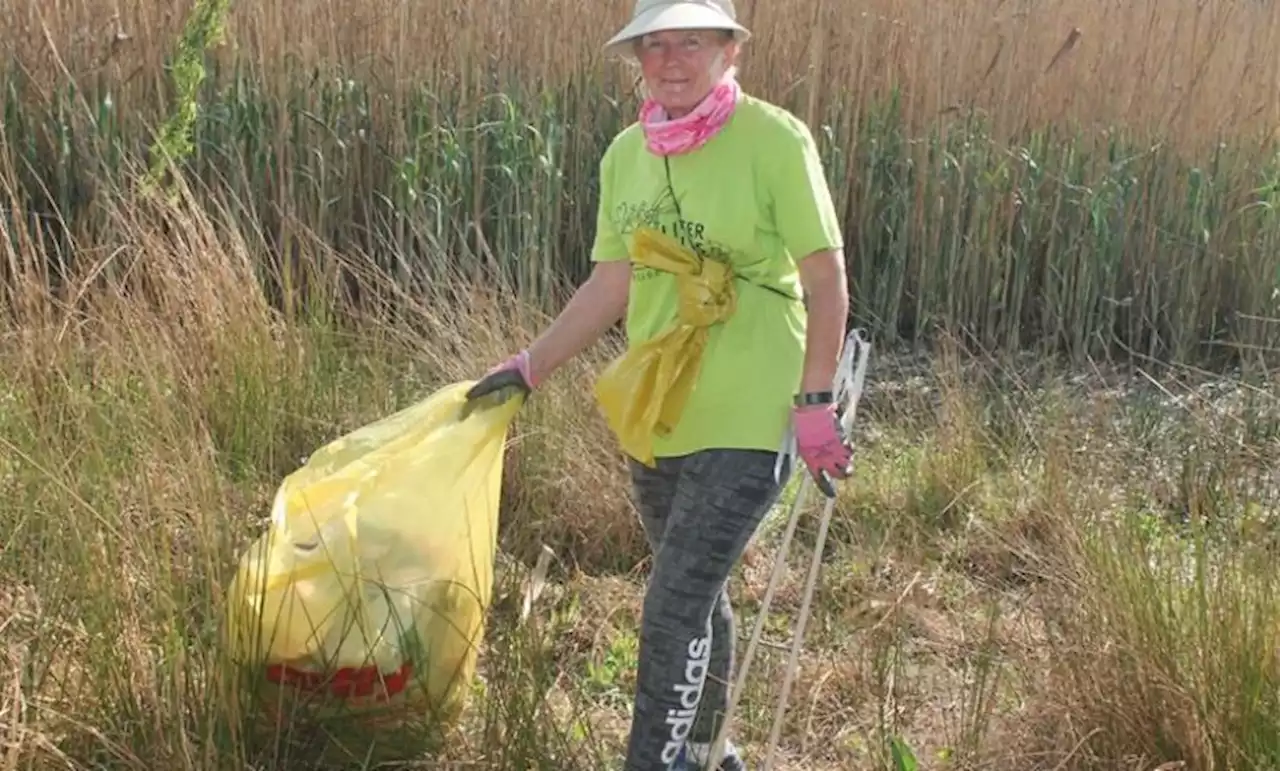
x: 1088, y: 177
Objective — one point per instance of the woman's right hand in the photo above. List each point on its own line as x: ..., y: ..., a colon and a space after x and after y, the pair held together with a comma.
x: 598, y: 304
x: 515, y: 374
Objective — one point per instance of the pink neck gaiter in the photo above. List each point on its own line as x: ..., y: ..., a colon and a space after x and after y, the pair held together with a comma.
x: 666, y: 136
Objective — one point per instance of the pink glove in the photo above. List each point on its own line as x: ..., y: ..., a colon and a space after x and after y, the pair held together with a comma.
x: 520, y: 363
x: 821, y: 444
x: 515, y: 372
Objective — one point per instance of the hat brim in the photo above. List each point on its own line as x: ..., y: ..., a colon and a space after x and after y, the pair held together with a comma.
x: 669, y: 17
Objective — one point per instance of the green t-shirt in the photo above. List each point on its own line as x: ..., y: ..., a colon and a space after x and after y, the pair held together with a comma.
x: 756, y: 195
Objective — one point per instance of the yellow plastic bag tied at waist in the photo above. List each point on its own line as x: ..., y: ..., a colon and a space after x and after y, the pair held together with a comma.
x: 643, y: 392
x: 371, y: 583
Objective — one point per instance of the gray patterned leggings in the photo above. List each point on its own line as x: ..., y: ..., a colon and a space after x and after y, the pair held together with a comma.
x: 699, y: 512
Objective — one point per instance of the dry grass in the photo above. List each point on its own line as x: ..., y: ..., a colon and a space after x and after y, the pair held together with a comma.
x: 1033, y: 568
x: 145, y: 427
x: 1027, y: 572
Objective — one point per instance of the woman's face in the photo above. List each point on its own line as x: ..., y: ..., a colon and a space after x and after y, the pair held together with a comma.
x: 681, y: 66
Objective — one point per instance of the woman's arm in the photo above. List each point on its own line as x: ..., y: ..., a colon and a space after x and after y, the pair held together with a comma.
x: 827, y: 296
x: 810, y: 230
x: 598, y: 304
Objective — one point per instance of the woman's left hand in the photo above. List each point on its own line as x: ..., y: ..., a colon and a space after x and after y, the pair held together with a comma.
x: 822, y: 444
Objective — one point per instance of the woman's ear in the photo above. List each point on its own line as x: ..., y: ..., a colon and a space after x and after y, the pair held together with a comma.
x: 727, y: 58
x: 637, y: 78
x: 732, y: 50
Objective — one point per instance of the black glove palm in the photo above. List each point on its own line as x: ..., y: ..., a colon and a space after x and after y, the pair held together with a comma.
x: 495, y: 388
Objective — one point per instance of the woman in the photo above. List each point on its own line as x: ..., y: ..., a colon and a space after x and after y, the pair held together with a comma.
x: 737, y: 181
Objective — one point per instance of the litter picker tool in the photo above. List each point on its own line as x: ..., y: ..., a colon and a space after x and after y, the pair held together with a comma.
x: 847, y: 388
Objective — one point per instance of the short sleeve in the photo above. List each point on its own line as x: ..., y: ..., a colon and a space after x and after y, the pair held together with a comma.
x: 608, y: 245
x: 805, y: 214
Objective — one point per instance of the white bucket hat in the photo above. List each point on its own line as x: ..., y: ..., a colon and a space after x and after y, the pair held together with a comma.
x: 657, y: 15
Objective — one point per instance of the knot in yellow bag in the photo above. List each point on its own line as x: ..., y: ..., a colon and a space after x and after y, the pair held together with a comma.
x: 643, y: 392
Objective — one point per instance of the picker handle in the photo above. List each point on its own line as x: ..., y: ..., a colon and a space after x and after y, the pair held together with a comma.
x: 847, y: 388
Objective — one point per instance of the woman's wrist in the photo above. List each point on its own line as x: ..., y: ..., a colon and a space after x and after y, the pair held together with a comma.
x: 814, y: 398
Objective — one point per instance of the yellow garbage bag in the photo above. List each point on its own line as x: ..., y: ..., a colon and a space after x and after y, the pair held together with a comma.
x: 371, y: 583
x: 643, y: 392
